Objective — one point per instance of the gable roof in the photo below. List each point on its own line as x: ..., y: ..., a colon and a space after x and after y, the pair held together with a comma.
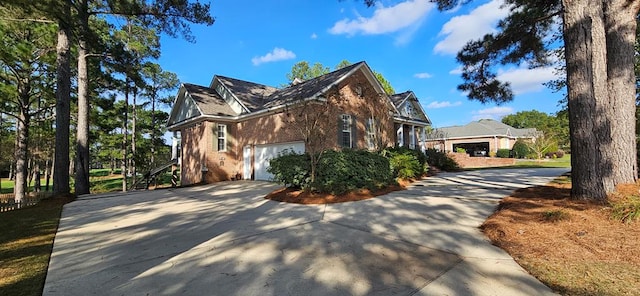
x: 251, y: 95
x: 255, y: 98
x: 398, y: 98
x: 208, y: 100
x: 486, y: 128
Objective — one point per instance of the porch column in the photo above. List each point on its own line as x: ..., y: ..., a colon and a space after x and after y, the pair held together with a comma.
x: 412, y: 141
x: 400, y: 135
x: 423, y: 135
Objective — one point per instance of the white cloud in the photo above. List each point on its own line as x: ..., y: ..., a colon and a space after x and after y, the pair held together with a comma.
x: 492, y: 113
x: 277, y: 54
x: 443, y: 104
x: 524, y: 80
x: 463, y: 28
x: 456, y: 71
x: 314, y: 36
x: 385, y: 19
x: 423, y: 75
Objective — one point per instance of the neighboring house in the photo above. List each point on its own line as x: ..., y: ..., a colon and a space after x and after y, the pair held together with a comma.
x: 478, y: 138
x: 232, y: 128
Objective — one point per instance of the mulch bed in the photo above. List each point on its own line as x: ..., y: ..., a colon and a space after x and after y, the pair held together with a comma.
x: 306, y: 197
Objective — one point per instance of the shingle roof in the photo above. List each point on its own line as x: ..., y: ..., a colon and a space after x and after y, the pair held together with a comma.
x: 256, y: 96
x: 486, y: 127
x: 252, y: 95
x: 398, y: 98
x: 209, y: 101
x: 308, y: 88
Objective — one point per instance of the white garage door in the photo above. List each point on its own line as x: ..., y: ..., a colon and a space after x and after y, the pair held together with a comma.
x: 266, y: 152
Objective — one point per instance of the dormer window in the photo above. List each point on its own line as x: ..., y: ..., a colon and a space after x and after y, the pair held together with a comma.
x: 408, y: 109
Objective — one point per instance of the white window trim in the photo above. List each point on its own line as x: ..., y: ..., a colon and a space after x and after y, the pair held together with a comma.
x: 347, y: 118
x: 371, y: 133
x: 222, y: 128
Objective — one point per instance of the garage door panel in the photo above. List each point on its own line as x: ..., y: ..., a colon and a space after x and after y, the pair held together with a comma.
x: 264, y: 153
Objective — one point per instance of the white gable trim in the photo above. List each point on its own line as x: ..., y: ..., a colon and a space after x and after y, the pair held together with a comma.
x: 183, y: 99
x: 236, y: 104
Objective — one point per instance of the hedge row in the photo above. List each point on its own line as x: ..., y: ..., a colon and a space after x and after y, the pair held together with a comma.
x: 338, y: 172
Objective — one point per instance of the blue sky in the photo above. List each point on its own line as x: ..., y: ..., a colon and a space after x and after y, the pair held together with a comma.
x: 409, y: 41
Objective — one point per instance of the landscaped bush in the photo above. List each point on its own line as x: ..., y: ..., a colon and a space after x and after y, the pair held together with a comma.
x: 555, y: 154
x: 339, y: 172
x: 441, y: 160
x: 520, y: 149
x: 406, y: 163
x: 291, y: 169
x: 503, y: 153
x: 461, y: 150
x: 405, y: 166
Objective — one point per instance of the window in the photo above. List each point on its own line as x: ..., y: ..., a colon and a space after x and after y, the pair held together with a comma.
x: 346, y: 139
x: 371, y: 133
x: 408, y: 109
x: 222, y: 137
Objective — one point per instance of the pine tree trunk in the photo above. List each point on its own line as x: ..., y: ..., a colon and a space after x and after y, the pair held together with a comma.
x: 37, y: 186
x: 590, y: 130
x: 20, y: 187
x: 153, y: 133
x: 599, y: 56
x: 47, y: 174
x: 124, y: 139
x: 133, y: 137
x: 63, y: 98
x: 82, y: 137
x: 620, y: 28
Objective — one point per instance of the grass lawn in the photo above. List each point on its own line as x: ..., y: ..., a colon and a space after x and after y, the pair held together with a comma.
x: 564, y: 162
x: 101, y: 180
x: 26, y: 241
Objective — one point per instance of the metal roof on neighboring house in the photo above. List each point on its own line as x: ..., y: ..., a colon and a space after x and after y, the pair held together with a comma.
x: 486, y: 128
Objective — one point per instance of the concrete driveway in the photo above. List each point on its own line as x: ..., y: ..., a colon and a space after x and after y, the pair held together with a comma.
x: 225, y: 239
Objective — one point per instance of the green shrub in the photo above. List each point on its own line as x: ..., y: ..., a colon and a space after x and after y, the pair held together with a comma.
x: 503, y: 153
x: 461, y: 150
x: 406, y: 163
x: 441, y: 160
x: 339, y: 172
x: 405, y: 166
x: 520, y: 149
x: 555, y: 154
x: 291, y: 169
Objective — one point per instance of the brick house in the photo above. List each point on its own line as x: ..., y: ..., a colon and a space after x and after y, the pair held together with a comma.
x: 230, y: 129
x: 478, y: 138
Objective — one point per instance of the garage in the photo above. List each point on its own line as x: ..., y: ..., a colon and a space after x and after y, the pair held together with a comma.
x: 266, y: 152
x: 474, y: 149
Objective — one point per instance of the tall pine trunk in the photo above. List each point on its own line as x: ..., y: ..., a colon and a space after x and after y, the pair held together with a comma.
x: 124, y: 138
x: 63, y: 99
x: 133, y: 136
x: 82, y: 136
x: 620, y: 29
x: 20, y: 187
x: 601, y: 118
